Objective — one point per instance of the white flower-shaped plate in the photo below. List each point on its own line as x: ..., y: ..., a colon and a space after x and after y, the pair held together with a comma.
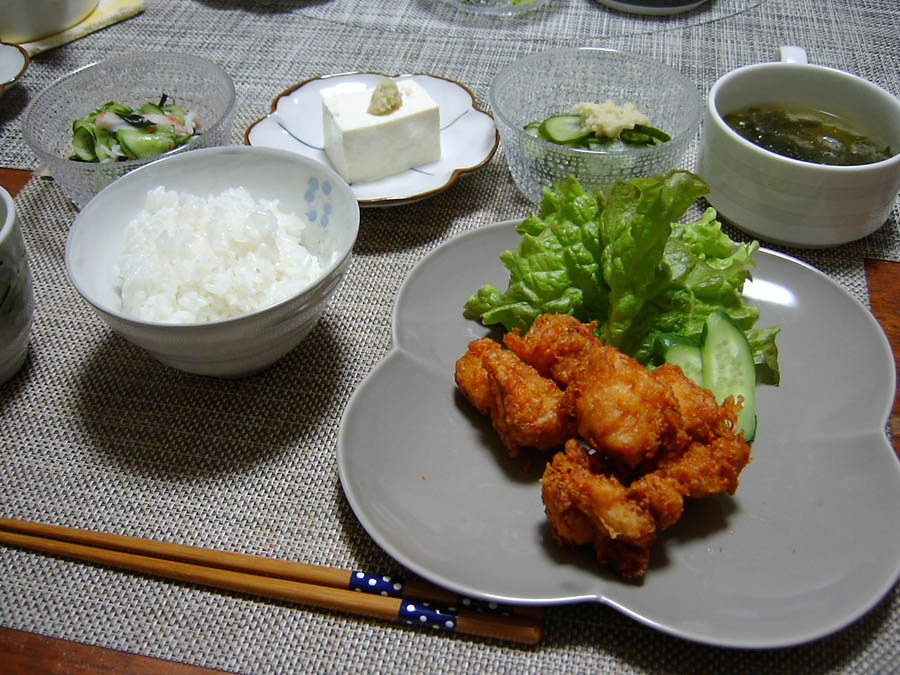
x: 468, y: 136
x: 13, y: 62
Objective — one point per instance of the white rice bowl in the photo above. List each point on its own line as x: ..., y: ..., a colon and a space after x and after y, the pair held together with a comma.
x: 190, y: 259
x: 287, y: 229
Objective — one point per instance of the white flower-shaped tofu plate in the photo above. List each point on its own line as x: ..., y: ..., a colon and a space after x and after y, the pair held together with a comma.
x: 468, y: 136
x: 13, y: 62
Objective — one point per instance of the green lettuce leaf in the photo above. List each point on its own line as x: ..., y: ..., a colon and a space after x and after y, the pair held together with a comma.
x: 619, y: 257
x: 635, y: 225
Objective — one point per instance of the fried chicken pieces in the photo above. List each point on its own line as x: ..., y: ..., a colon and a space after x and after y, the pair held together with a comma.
x: 635, y: 443
x: 524, y: 407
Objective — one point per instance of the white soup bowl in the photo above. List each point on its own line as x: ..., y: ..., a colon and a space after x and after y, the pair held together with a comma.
x: 788, y: 201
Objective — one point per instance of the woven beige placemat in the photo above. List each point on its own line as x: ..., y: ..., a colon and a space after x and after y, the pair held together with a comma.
x: 96, y: 434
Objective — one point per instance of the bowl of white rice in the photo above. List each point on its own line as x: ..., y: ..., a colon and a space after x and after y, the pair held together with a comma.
x: 219, y: 261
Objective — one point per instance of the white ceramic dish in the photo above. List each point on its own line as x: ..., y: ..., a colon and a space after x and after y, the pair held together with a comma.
x: 810, y: 542
x: 468, y: 136
x: 788, y: 201
x: 244, y: 344
x: 27, y: 20
x: 13, y: 62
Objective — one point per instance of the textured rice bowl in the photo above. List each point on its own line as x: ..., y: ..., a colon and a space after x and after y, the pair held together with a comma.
x: 201, y: 257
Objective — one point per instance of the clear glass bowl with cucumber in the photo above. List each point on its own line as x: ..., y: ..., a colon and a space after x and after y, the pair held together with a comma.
x: 548, y: 85
x: 498, y: 7
x: 197, y: 86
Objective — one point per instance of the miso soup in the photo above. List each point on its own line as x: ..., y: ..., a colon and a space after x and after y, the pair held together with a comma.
x: 807, y: 134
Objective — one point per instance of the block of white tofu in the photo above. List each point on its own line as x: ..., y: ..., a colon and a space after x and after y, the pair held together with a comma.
x: 364, y: 147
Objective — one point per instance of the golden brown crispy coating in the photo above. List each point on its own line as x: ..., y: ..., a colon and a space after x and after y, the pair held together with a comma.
x: 661, y: 495
x: 621, y: 409
x: 555, y: 345
x: 561, y: 479
x: 637, y: 442
x: 472, y: 378
x: 703, y: 418
x: 587, y: 507
x: 707, y: 469
x: 524, y: 407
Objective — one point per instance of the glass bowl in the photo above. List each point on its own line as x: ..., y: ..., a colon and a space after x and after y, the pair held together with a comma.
x: 552, y: 82
x: 195, y: 84
x: 497, y: 7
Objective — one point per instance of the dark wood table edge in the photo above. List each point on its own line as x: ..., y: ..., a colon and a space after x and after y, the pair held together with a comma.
x: 24, y: 652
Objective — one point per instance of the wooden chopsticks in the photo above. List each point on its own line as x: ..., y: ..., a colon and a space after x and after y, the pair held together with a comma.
x: 409, y: 602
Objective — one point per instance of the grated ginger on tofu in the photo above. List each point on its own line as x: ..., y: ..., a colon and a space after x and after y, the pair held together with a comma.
x: 608, y: 119
x: 386, y: 98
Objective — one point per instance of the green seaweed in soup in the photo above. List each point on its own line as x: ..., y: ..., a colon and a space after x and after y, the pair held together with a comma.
x: 807, y: 134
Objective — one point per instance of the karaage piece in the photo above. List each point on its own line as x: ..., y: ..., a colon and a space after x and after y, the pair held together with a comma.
x: 621, y: 409
x: 661, y: 495
x: 717, y: 454
x: 585, y: 506
x: 702, y: 470
x: 707, y: 469
x: 638, y: 443
x: 524, y: 407
x: 703, y: 418
x: 471, y: 376
x: 555, y: 345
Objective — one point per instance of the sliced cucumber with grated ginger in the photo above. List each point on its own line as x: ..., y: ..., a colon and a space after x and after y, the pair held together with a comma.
x: 683, y: 352
x: 564, y: 129
x: 728, y: 368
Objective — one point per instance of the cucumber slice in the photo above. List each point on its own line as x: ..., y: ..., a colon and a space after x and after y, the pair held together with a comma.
x: 111, y: 106
x: 601, y: 144
x: 104, y: 141
x: 533, y: 129
x: 151, y: 109
x: 564, y: 128
x: 138, y: 145
x: 176, y: 111
x: 655, y: 133
x: 83, y: 141
x: 728, y: 368
x: 683, y: 352
x: 633, y: 137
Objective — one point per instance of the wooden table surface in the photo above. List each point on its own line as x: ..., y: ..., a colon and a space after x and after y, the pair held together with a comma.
x: 22, y: 652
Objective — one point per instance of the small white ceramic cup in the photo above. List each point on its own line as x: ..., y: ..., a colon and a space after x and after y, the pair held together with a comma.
x: 787, y: 201
x: 27, y: 20
x: 16, y: 293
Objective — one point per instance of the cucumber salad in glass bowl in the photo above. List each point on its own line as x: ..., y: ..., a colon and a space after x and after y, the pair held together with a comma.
x: 114, y: 132
x: 83, y: 132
